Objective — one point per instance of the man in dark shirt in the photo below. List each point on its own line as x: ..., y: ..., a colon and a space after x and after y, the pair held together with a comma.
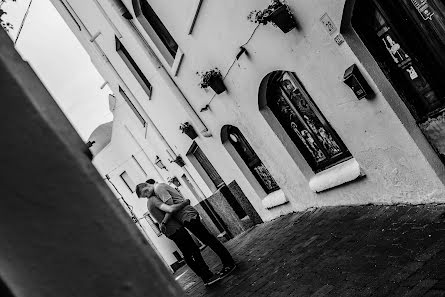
x: 176, y: 232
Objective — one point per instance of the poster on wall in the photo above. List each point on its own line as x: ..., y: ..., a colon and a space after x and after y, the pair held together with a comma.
x: 424, y: 9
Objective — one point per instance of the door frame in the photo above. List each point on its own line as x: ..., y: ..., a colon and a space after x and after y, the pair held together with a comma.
x: 388, y: 92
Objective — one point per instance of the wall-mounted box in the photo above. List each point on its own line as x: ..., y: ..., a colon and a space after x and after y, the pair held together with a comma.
x: 358, y: 84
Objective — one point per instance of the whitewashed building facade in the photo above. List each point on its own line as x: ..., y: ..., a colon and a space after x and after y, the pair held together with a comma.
x: 288, y: 133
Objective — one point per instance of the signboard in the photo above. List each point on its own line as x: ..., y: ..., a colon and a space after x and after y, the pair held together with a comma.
x: 328, y: 24
x: 339, y: 39
x: 424, y: 9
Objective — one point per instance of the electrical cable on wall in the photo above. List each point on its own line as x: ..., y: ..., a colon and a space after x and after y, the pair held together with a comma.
x: 240, y: 53
x: 23, y: 22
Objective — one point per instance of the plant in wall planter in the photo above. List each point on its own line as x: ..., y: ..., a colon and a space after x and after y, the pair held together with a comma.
x: 278, y: 13
x: 179, y: 161
x: 174, y: 180
x: 212, y: 78
x: 189, y: 130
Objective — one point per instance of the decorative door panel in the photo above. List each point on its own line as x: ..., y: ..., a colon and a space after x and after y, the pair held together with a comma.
x: 253, y: 162
x: 304, y: 123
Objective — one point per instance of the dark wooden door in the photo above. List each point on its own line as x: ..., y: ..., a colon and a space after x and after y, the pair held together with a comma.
x: 407, y: 39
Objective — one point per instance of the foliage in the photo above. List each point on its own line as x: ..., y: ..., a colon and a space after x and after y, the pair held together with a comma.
x: 173, y: 180
x: 207, y: 76
x: 6, y: 25
x: 185, y: 126
x: 262, y: 16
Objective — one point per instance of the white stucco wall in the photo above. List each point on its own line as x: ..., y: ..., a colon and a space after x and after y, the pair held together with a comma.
x: 396, y: 169
x: 116, y: 158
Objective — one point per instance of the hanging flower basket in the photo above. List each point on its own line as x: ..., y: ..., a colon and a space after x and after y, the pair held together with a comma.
x: 277, y: 13
x: 213, y: 79
x: 283, y: 19
x: 174, y: 180
x: 189, y: 130
x: 179, y: 161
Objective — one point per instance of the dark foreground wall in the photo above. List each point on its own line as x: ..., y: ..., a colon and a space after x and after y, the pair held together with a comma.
x: 62, y: 231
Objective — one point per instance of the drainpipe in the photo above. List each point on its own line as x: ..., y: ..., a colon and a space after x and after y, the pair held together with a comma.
x: 123, y: 12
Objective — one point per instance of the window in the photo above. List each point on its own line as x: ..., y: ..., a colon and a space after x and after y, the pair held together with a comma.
x: 70, y: 14
x: 207, y: 166
x: 252, y: 160
x: 154, y: 225
x: 156, y: 30
x: 128, y: 181
x: 134, y: 68
x: 133, y: 108
x: 303, y: 122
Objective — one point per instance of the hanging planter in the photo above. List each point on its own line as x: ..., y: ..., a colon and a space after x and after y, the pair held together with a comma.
x: 283, y: 19
x: 179, y: 161
x: 213, y: 79
x: 174, y: 180
x: 278, y: 13
x: 189, y: 130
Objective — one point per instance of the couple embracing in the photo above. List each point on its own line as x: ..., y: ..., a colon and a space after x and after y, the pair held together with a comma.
x: 174, y: 213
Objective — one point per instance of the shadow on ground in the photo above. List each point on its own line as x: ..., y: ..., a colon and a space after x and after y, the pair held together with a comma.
x: 339, y: 251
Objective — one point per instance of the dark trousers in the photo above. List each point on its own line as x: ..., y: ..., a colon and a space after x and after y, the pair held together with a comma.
x: 200, y: 231
x: 191, y: 253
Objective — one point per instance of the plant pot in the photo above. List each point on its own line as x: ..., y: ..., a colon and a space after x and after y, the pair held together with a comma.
x: 217, y: 84
x: 175, y: 181
x: 190, y: 131
x: 283, y: 19
x: 179, y: 161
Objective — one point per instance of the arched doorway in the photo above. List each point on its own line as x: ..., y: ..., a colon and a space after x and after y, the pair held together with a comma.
x: 407, y: 40
x: 283, y: 98
x: 252, y: 162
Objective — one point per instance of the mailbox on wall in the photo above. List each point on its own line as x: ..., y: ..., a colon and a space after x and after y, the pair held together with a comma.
x: 358, y: 84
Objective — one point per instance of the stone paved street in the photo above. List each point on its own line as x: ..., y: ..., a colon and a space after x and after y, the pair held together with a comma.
x: 339, y: 251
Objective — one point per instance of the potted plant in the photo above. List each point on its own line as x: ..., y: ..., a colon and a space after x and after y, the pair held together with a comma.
x: 174, y: 180
x: 179, y: 161
x: 212, y: 78
x: 278, y: 13
x: 189, y: 130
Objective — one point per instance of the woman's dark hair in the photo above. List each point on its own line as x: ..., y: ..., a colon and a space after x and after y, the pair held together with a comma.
x: 151, y: 181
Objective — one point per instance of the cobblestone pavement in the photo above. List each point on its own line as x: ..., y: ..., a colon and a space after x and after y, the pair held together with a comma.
x: 339, y: 251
